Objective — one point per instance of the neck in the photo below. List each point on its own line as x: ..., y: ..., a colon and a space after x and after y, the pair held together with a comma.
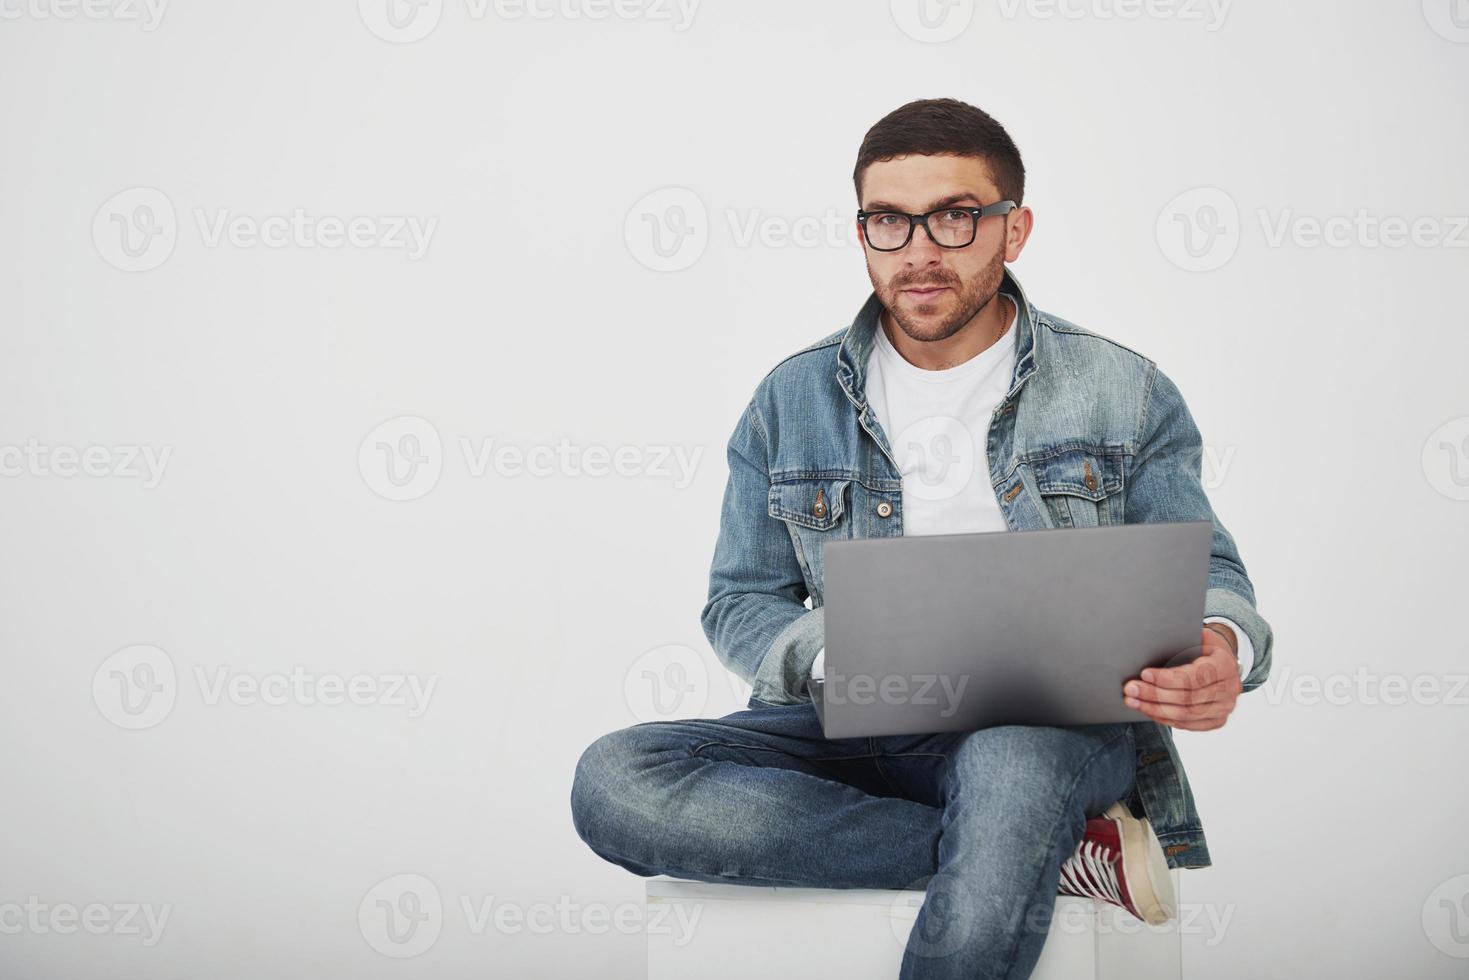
x: 981, y: 333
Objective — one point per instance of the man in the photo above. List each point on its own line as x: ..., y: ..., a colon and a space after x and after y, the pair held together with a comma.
x: 951, y: 404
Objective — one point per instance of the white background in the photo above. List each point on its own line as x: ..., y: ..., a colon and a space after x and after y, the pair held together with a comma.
x: 1319, y: 374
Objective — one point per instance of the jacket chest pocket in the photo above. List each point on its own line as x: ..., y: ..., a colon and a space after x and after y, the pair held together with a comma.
x: 814, y: 511
x: 1081, y: 487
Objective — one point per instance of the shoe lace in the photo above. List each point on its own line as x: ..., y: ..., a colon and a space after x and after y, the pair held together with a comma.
x: 1091, y: 873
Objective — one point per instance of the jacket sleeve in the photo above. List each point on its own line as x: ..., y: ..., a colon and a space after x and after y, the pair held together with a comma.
x: 1165, y: 484
x: 756, y: 618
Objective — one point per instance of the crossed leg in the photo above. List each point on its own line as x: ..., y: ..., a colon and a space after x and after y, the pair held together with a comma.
x: 983, y: 820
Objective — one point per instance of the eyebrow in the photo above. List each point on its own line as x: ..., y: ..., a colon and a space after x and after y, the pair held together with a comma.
x: 940, y: 203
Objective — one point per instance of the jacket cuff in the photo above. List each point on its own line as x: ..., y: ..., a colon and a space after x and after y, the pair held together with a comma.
x: 1240, y: 611
x: 787, y: 664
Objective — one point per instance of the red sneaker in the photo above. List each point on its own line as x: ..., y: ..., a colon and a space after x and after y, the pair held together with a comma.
x: 1119, y: 860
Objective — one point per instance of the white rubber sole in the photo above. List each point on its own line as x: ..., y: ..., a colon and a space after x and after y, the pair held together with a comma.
x: 1148, y: 879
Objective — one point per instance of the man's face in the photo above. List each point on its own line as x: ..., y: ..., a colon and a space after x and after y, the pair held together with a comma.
x: 932, y: 292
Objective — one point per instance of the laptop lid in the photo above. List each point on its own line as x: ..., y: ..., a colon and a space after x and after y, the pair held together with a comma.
x: 954, y: 632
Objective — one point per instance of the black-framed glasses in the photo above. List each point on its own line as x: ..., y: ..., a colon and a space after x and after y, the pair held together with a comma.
x: 950, y: 227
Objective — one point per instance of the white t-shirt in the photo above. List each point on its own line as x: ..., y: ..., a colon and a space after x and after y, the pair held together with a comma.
x: 937, y: 423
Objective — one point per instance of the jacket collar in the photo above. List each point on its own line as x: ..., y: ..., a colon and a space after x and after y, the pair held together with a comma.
x: 858, y: 340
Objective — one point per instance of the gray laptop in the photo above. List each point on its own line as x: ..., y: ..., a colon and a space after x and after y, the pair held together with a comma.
x: 954, y: 632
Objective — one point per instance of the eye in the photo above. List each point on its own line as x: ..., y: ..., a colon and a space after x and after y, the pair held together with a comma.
x: 955, y: 216
x: 888, y: 218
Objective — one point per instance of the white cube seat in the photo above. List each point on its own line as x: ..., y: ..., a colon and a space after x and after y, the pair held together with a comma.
x: 716, y: 931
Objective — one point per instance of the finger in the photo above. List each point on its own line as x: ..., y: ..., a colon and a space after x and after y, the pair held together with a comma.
x: 1164, y: 715
x: 1204, y: 724
x: 1143, y: 691
x: 1201, y: 673
x: 1177, y: 713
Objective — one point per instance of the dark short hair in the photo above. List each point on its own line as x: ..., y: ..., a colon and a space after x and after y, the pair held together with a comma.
x: 930, y: 127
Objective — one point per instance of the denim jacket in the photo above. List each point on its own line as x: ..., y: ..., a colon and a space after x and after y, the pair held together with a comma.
x: 1090, y: 433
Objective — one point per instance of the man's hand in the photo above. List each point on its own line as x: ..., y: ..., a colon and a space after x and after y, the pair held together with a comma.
x: 1199, y: 696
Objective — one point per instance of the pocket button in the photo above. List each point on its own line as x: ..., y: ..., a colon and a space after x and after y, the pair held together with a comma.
x: 884, y: 509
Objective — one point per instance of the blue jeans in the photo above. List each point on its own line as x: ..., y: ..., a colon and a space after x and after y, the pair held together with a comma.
x: 982, y: 820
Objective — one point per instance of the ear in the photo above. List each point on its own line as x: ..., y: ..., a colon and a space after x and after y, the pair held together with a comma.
x: 1017, y: 232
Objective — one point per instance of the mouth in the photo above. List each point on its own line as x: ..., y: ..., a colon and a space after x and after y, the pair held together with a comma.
x: 924, y: 294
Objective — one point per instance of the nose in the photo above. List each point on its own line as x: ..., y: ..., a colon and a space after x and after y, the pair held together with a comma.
x: 922, y: 250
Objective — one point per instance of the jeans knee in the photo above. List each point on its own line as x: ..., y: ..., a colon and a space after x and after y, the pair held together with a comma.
x: 589, y: 781
x: 604, y: 782
x: 1033, y: 765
